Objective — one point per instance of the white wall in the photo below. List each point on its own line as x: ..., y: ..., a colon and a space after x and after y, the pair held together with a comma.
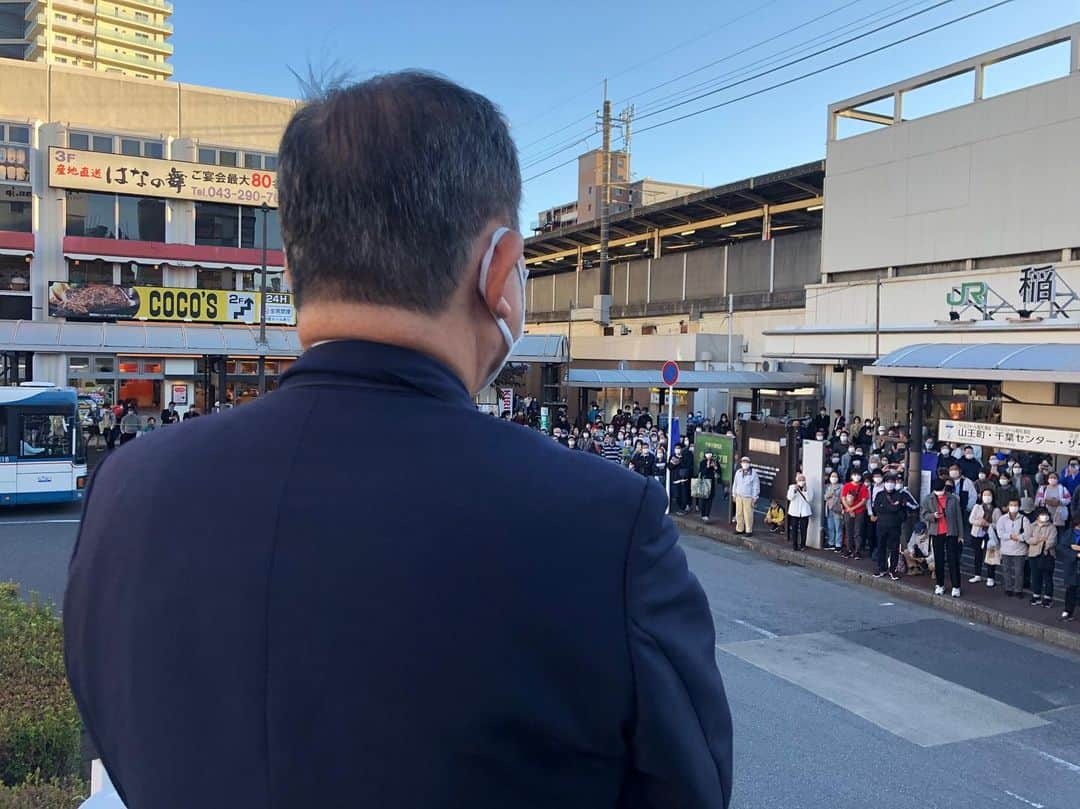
x: 995, y: 177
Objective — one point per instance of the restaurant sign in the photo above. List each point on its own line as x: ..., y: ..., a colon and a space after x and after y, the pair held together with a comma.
x: 1010, y: 436
x: 174, y: 304
x: 79, y: 170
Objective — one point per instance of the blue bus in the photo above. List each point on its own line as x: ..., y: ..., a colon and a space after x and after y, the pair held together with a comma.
x: 42, y: 450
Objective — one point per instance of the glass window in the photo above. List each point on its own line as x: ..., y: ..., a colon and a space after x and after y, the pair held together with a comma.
x: 213, y: 279
x: 14, y: 274
x: 147, y: 275
x: 16, y: 208
x: 141, y: 219
x: 46, y: 435
x: 1068, y: 394
x: 217, y: 225
x: 78, y: 140
x: 208, y: 156
x: 90, y: 272
x: 91, y: 214
x: 18, y: 134
x: 226, y: 158
x: 102, y: 143
x: 103, y: 365
x: 78, y: 365
x: 130, y: 147
x: 270, y: 162
x: 154, y: 148
x: 251, y: 229
x: 252, y: 161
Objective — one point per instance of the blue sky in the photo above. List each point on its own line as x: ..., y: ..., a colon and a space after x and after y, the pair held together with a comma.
x: 544, y: 63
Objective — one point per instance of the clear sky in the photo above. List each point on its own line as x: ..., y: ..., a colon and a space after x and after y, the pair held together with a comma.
x: 544, y: 62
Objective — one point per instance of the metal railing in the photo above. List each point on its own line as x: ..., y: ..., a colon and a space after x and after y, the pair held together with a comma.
x: 102, y: 32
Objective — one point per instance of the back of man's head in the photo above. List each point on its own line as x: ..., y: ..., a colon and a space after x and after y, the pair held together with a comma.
x: 385, y: 186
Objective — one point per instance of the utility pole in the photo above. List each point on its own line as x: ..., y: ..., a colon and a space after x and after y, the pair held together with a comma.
x: 605, y: 196
x: 877, y: 341
x: 262, y: 307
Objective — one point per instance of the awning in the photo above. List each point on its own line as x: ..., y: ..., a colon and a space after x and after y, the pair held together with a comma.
x: 152, y: 339
x: 688, y: 380
x: 994, y: 362
x: 540, y: 348
x: 176, y: 262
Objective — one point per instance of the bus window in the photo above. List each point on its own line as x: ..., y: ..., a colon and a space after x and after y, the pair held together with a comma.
x: 46, y: 436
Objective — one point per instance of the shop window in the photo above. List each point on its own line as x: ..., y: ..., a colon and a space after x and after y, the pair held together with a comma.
x: 1068, y: 395
x: 14, y: 274
x: 15, y: 133
x: 213, y: 279
x: 146, y: 275
x: 44, y: 435
x: 141, y: 219
x: 217, y: 225
x: 91, y: 214
x: 16, y: 307
x: 130, y: 147
x: 251, y: 228
x: 78, y: 365
x: 96, y: 271
x: 104, y: 365
x: 154, y: 149
x: 16, y: 208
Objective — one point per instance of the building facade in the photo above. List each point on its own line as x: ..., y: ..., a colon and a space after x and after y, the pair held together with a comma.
x: 132, y: 221
x: 124, y: 37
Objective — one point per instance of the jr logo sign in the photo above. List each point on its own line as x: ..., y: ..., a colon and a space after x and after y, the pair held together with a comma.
x: 968, y: 293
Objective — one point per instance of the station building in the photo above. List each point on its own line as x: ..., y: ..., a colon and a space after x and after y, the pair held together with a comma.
x: 132, y: 214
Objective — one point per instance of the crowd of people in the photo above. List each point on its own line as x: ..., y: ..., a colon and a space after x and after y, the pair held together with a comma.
x: 116, y: 425
x: 1017, y: 516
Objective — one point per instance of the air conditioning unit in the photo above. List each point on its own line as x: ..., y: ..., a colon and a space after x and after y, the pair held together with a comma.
x: 602, y: 309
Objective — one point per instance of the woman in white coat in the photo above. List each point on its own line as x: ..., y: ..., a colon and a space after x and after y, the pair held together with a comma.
x: 984, y: 517
x: 799, y: 510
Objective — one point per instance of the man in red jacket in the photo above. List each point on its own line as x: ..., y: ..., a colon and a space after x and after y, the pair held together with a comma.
x: 854, y: 496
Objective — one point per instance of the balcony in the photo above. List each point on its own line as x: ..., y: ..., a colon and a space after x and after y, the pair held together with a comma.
x: 129, y: 61
x: 72, y: 46
x: 124, y: 38
x: 130, y: 19
x: 85, y: 7
x: 160, y: 6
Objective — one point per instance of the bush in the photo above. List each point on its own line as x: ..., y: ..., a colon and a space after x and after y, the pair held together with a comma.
x: 39, y: 724
x: 38, y: 794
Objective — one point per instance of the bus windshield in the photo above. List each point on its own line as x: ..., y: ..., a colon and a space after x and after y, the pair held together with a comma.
x: 46, y: 435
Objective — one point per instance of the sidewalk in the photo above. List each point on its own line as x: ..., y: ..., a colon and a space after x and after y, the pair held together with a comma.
x: 979, y: 603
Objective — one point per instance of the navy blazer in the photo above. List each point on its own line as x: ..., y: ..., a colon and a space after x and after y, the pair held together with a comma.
x: 263, y: 611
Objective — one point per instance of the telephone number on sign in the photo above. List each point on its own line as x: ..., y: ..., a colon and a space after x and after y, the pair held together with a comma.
x: 239, y: 195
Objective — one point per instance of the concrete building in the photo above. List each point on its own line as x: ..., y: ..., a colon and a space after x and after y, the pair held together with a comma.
x: 941, y: 233
x: 126, y: 37
x: 131, y: 221
x: 626, y: 194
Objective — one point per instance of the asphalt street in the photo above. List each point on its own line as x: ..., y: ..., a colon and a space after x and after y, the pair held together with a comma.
x: 840, y: 697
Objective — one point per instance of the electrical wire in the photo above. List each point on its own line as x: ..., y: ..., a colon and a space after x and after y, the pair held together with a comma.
x: 548, y: 171
x: 832, y: 66
x: 805, y: 58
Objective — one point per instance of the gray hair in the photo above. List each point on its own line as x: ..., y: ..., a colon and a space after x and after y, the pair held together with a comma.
x: 385, y: 185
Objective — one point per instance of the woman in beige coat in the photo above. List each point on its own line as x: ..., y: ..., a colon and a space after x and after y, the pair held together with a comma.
x: 1041, y: 540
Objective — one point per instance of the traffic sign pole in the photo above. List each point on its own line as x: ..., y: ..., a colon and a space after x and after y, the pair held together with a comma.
x: 670, y: 374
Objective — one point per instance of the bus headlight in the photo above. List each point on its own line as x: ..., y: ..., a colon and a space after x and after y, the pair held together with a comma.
x: 80, y: 482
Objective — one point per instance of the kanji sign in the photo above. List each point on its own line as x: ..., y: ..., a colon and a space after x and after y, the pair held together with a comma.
x: 171, y: 179
x: 1038, y: 285
x: 1011, y: 436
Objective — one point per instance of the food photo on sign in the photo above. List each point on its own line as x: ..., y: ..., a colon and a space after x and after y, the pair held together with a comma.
x: 91, y: 300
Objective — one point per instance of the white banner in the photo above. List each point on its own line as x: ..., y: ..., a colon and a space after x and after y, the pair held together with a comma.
x: 1011, y: 436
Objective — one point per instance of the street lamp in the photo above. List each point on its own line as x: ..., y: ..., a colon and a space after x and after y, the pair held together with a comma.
x: 262, y: 306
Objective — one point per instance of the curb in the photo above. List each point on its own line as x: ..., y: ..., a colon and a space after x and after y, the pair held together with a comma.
x: 963, y: 609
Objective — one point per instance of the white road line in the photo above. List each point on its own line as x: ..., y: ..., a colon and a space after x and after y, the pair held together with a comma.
x: 763, y: 632
x: 1024, y: 800
x: 1068, y: 765
x: 835, y: 669
x: 886, y: 604
x: 38, y: 522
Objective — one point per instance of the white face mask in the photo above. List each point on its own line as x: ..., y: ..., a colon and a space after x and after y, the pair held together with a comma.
x: 989, y: 499
x: 890, y: 487
x: 745, y: 465
x: 504, y: 327
x: 834, y: 479
x: 1013, y: 509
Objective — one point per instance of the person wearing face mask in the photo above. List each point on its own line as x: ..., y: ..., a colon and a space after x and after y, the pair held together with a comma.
x: 641, y: 461
x: 944, y: 458
x: 940, y: 510
x: 1041, y: 541
x: 745, y: 490
x: 854, y: 496
x: 660, y: 459
x: 876, y: 486
x: 821, y: 422
x: 1055, y: 498
x: 799, y: 512
x: 1069, y: 554
x: 612, y: 449
x: 891, y: 508
x: 680, y: 481
x: 1011, y: 528
x: 1070, y: 475
x: 834, y: 512
x: 985, y: 545
x: 710, y: 471
x: 969, y: 465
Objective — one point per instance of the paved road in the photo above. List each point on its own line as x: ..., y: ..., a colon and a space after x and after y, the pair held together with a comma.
x: 840, y: 697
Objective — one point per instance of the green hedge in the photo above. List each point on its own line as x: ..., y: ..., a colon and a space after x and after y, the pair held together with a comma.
x: 38, y: 794
x: 39, y: 724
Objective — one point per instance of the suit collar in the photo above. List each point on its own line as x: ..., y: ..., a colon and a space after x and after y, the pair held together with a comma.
x: 366, y: 363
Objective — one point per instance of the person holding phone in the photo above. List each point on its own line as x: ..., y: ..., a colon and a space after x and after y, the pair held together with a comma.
x: 940, y: 510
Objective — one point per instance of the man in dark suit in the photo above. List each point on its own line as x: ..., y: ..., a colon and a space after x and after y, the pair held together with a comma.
x: 268, y: 630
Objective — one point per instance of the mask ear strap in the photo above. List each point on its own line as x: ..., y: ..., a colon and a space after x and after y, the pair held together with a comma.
x: 485, y: 263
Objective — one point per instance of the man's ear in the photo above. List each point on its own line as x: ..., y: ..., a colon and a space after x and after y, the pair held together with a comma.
x: 503, y: 261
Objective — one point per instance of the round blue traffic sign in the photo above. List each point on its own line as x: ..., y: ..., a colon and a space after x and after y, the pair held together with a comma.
x: 670, y: 373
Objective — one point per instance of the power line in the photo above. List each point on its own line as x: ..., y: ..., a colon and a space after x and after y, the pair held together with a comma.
x: 548, y: 171
x: 550, y: 151
x: 827, y: 36
x: 820, y: 70
x: 788, y: 64
x: 557, y: 131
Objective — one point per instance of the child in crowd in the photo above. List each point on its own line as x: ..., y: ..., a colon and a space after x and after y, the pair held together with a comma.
x: 774, y: 518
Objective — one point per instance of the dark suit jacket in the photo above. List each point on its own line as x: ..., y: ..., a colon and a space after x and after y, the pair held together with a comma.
x: 262, y: 611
